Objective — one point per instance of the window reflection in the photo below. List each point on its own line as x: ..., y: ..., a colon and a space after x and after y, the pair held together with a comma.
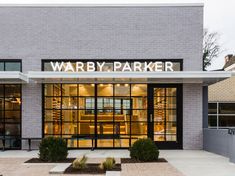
x: 12, y: 66
x: 10, y: 114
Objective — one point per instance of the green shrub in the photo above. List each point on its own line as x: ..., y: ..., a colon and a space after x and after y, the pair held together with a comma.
x: 108, y: 164
x: 80, y: 163
x: 53, y: 149
x: 144, y: 150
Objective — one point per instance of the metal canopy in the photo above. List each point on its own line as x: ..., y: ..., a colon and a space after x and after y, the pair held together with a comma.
x: 199, y: 77
x: 12, y: 77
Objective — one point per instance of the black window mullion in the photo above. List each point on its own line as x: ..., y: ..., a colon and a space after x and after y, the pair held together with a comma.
x: 4, y: 113
x: 78, y: 114
x: 131, y: 112
x: 114, y: 122
x: 165, y: 114
x: 95, y: 116
x: 61, y: 110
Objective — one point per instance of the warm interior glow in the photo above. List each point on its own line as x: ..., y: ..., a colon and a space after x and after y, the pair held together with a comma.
x: 121, y: 113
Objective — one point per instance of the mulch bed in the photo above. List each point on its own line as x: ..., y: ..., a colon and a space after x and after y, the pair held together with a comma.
x: 37, y: 160
x: 91, y: 169
x: 130, y: 160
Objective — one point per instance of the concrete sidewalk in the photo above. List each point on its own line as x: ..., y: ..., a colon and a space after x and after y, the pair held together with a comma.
x: 189, y: 162
x: 199, y: 163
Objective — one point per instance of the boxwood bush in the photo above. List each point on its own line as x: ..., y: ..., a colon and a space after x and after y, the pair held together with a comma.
x: 53, y: 149
x: 144, y: 150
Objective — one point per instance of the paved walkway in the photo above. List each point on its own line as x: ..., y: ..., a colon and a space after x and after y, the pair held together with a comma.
x: 17, y: 167
x: 181, y: 162
x: 199, y: 163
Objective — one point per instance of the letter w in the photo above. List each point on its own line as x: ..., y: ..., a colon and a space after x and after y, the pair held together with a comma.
x: 57, y: 66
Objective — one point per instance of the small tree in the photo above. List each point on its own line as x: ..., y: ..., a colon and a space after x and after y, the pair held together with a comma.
x: 211, y: 47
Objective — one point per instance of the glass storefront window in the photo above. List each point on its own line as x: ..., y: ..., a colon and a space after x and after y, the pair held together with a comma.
x: 212, y: 121
x: 105, y: 90
x: 139, y: 90
x: 226, y: 108
x: 212, y: 108
x: 69, y: 109
x: 122, y: 90
x: 12, y: 66
x: 116, y: 114
x: 221, y: 115
x: 12, y: 90
x: 10, y: 115
x: 52, y: 90
x: 69, y: 102
x: 87, y: 90
x: 164, y: 114
x: 1, y: 66
x: 69, y: 89
x: 226, y: 121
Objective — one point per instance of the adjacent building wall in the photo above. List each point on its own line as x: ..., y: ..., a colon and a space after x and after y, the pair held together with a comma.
x: 222, y: 91
x: 216, y: 141
x: 156, y: 32
x: 220, y: 141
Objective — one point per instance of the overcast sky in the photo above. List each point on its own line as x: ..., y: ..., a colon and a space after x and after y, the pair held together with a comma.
x: 219, y: 17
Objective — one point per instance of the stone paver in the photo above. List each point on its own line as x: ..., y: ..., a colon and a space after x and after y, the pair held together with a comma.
x: 15, y: 167
x: 59, y: 168
x: 113, y: 173
x: 149, y: 169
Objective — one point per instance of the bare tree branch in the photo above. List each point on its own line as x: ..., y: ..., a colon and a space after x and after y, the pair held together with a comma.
x: 211, y: 48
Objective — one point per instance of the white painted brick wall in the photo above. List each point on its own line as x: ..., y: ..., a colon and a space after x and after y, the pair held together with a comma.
x: 192, y: 116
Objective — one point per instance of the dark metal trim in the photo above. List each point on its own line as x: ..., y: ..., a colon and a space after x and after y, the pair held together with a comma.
x: 167, y: 144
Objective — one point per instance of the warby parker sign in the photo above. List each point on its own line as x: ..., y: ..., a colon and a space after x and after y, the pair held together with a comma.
x: 90, y: 66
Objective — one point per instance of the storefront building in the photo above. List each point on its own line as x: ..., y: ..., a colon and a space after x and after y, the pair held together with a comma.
x: 103, y: 76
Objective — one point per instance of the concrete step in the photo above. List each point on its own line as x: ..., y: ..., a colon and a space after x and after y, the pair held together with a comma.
x: 113, y: 173
x: 59, y: 168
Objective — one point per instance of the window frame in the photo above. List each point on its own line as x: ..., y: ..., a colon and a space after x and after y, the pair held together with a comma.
x: 218, y: 115
x: 4, y: 61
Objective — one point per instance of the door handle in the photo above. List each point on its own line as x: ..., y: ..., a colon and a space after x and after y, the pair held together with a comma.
x: 151, y: 117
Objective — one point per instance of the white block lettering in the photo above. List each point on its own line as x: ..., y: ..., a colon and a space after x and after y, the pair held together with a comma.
x: 158, y: 66
x: 100, y: 66
x: 148, y: 66
x: 57, y: 66
x: 137, y: 66
x: 169, y: 66
x: 90, y: 66
x: 79, y: 66
x: 116, y: 66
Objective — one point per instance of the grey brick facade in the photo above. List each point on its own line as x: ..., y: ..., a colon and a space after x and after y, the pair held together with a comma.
x: 156, y: 32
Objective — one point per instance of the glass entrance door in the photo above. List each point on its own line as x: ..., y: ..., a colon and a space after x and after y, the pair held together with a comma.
x: 165, y: 119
